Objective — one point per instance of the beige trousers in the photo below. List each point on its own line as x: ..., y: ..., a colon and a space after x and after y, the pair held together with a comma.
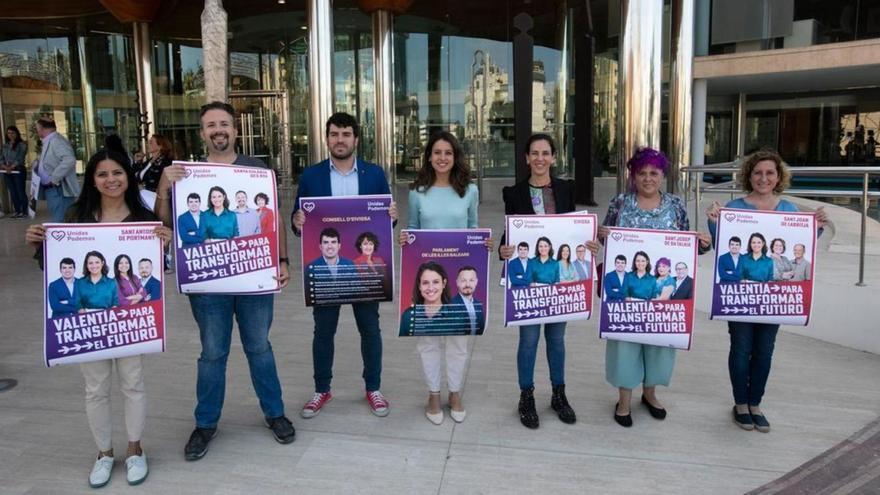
x: 98, y: 376
x: 431, y: 352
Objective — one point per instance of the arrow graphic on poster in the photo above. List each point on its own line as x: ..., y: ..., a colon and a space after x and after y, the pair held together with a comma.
x: 527, y: 314
x: 242, y: 244
x: 197, y: 276
x: 622, y: 327
x: 123, y: 312
x: 735, y: 311
x: 775, y: 288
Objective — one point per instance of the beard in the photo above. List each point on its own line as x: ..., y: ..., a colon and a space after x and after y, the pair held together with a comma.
x: 221, y: 146
x: 345, y: 155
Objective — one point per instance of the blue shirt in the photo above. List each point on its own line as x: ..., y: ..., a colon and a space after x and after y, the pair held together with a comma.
x: 222, y: 226
x: 640, y: 288
x: 443, y: 208
x: 344, y: 184
x: 101, y: 295
x: 669, y: 281
x: 756, y: 270
x: 546, y: 272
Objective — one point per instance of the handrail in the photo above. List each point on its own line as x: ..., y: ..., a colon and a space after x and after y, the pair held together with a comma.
x: 733, y: 168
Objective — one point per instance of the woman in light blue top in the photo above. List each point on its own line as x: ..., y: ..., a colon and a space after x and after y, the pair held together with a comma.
x: 443, y: 197
x: 545, y: 269
x: 764, y: 177
x: 640, y: 284
x: 665, y: 282
x: 220, y: 221
x: 567, y: 271
x: 627, y: 364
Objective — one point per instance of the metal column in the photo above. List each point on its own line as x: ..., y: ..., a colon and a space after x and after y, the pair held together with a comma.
x: 214, y: 50
x: 320, y: 75
x: 740, y: 127
x: 640, y: 65
x: 143, y: 50
x: 88, y: 101
x: 680, y: 89
x: 383, y: 36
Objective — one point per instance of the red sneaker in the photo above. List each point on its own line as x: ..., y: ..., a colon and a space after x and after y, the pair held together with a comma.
x: 378, y: 404
x: 313, y: 407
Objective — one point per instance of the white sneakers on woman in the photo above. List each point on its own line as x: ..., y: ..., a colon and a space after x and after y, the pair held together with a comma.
x: 100, y: 474
x: 135, y: 467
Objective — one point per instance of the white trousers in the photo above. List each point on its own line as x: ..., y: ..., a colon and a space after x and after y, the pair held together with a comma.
x: 431, y: 352
x: 98, y: 376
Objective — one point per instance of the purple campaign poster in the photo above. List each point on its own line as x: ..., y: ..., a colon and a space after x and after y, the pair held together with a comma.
x: 649, y: 286
x: 347, y: 249
x: 444, y: 279
x: 225, y: 219
x: 764, y: 266
x: 102, y: 289
x: 550, y: 276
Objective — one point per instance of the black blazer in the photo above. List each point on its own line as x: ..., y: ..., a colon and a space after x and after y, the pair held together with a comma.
x: 151, y: 178
x: 518, y: 201
x: 685, y: 291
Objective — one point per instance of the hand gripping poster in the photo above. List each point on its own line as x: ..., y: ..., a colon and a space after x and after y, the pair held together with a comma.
x: 444, y: 280
x: 347, y: 249
x: 648, y: 287
x: 225, y: 229
x: 764, y: 266
x: 550, y: 275
x: 103, y: 287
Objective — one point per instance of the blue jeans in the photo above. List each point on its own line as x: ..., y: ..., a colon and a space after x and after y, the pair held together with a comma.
x: 751, y: 350
x: 366, y: 316
x: 57, y: 202
x: 15, y: 185
x: 526, y: 353
x: 213, y: 314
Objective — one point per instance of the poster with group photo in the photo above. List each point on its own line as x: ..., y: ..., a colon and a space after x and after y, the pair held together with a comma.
x: 444, y: 279
x: 648, y: 287
x: 550, y: 275
x: 347, y: 249
x: 103, y: 286
x: 225, y: 229
x: 764, y: 266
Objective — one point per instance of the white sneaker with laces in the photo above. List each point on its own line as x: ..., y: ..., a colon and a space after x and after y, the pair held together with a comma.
x: 136, y: 469
x: 100, y: 474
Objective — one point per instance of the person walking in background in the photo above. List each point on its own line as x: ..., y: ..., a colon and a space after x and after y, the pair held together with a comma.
x: 56, y: 170
x: 14, y: 171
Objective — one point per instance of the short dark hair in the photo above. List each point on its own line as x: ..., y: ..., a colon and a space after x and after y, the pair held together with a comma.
x: 342, y: 120
x: 620, y: 257
x: 774, y: 241
x: 217, y: 105
x: 261, y: 195
x: 194, y: 196
x: 67, y: 261
x: 540, y: 136
x: 523, y: 244
x: 736, y: 240
x: 148, y: 260
x: 466, y: 268
x: 240, y: 191
x: 366, y: 236
x: 46, y: 123
x: 328, y: 232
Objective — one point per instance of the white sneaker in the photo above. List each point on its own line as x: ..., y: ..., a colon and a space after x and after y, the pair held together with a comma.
x: 100, y: 474
x: 136, y: 469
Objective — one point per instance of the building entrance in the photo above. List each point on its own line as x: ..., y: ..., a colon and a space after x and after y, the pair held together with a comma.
x: 264, y: 129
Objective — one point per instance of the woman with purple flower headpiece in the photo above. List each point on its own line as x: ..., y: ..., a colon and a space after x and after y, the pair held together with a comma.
x: 627, y: 364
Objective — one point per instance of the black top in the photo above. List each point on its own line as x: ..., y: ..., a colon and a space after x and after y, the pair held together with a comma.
x: 518, y: 201
x: 151, y: 177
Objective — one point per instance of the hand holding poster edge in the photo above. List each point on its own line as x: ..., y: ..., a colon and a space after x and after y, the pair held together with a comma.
x: 723, y: 214
x: 609, y: 262
x: 178, y: 243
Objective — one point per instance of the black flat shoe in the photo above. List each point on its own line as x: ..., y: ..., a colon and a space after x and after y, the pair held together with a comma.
x: 656, y: 412
x: 761, y: 423
x: 744, y: 420
x: 625, y: 421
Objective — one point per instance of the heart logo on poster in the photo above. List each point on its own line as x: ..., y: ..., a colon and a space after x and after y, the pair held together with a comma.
x: 410, y: 238
x: 58, y: 234
x: 308, y: 206
x: 518, y: 223
x: 616, y: 236
x: 188, y: 172
x: 730, y: 217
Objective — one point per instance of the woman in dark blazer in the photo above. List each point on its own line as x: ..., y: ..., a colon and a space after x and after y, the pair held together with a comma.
x: 149, y: 171
x: 540, y: 194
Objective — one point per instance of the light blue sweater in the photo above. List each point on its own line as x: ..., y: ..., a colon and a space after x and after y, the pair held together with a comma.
x: 443, y: 208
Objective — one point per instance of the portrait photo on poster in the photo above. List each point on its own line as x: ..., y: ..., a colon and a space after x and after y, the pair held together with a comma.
x: 347, y: 250
x: 225, y: 224
x: 764, y: 266
x: 549, y: 277
x: 444, y: 282
x: 649, y: 287
x: 103, y: 291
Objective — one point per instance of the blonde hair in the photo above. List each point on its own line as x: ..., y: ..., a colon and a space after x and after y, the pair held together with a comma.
x: 751, y: 161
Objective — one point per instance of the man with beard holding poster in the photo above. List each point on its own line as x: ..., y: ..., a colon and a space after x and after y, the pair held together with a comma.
x: 343, y: 175
x: 214, y: 312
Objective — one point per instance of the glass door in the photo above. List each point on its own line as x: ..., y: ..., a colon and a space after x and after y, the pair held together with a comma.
x: 264, y: 130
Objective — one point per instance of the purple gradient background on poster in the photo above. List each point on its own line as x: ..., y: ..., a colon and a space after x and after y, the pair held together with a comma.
x: 338, y: 209
x: 425, y: 240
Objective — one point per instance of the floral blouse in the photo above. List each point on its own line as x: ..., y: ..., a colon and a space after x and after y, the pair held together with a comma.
x: 624, y: 211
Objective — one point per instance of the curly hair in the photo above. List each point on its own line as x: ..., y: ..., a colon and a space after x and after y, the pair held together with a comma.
x: 752, y: 161
x: 644, y: 157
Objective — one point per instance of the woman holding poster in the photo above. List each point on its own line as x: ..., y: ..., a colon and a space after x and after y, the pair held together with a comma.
x: 540, y: 194
x: 443, y: 197
x: 220, y: 221
x: 629, y: 364
x: 110, y: 195
x: 763, y: 176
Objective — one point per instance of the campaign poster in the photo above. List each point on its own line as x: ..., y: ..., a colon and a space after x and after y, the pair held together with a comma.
x: 225, y: 229
x: 648, y: 287
x: 444, y: 280
x: 550, y: 275
x: 764, y: 266
x: 347, y: 249
x: 103, y: 292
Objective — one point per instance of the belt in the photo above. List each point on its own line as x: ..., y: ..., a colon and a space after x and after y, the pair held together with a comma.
x: 49, y: 186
